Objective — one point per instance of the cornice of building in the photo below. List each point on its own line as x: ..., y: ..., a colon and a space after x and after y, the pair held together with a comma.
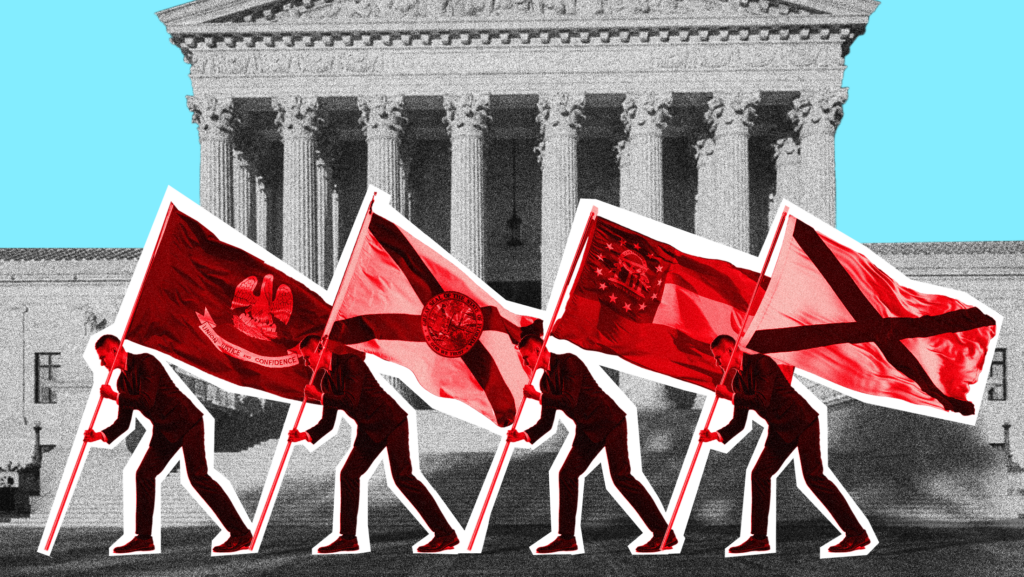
x: 68, y: 254
x: 417, y: 23
x: 944, y: 248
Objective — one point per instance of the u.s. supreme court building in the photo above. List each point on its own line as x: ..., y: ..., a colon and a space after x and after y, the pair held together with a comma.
x: 487, y: 120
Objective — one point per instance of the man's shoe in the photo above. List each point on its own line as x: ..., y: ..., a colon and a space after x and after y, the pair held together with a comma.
x: 752, y: 545
x: 136, y: 545
x: 440, y: 542
x: 559, y: 545
x: 343, y: 543
x: 234, y: 543
x: 851, y: 543
x: 654, y: 545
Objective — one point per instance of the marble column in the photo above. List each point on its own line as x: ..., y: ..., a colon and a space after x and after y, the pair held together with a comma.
x: 559, y: 116
x: 730, y: 117
x: 817, y: 115
x: 644, y: 117
x: 324, y: 254
x: 336, y: 239
x: 383, y: 121
x: 788, y: 180
x: 641, y: 190
x: 467, y: 118
x: 262, y: 213
x: 298, y: 122
x: 245, y: 195
x: 706, y: 208
x: 215, y: 118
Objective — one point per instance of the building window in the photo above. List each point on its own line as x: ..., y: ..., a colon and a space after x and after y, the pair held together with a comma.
x: 996, y: 388
x: 47, y: 376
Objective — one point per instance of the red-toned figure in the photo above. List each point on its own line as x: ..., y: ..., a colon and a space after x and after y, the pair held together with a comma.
x: 348, y: 385
x: 567, y: 385
x: 759, y: 385
x: 144, y: 386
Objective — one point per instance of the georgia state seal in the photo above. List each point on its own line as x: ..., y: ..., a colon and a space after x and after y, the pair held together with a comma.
x: 452, y: 323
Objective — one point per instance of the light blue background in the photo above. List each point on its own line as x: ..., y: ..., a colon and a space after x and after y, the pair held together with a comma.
x: 96, y: 125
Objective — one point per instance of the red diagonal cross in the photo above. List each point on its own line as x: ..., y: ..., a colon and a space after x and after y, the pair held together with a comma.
x: 403, y: 327
x: 868, y: 325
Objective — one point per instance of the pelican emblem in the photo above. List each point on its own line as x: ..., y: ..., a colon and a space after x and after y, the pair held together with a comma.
x: 257, y: 320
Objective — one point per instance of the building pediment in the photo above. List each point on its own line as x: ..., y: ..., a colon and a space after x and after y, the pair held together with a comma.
x: 572, y: 13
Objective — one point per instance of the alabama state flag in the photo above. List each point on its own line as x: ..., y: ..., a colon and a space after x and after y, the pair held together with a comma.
x: 840, y: 312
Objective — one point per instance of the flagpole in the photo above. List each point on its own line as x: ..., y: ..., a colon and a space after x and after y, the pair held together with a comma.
x: 533, y: 371
x: 99, y: 403
x: 725, y: 374
x: 322, y: 347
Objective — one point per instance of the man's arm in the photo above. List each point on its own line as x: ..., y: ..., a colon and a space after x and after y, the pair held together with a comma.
x: 120, y: 424
x: 326, y: 425
x: 759, y: 375
x: 570, y: 377
x: 543, y: 425
x: 739, y: 420
x: 352, y: 377
x: 147, y: 372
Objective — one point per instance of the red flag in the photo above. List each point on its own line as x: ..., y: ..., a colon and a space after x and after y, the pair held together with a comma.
x: 833, y: 310
x: 224, y: 311
x: 654, y: 305
x: 409, y: 302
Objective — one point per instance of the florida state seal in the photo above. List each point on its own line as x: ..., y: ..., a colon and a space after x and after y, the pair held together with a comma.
x: 452, y: 323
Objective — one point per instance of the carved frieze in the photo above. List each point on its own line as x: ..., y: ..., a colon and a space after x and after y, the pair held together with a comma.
x: 281, y: 63
x: 397, y: 10
x: 751, y: 57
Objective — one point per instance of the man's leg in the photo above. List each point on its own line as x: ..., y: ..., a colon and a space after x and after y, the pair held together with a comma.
x: 576, y: 462
x: 364, y: 451
x: 194, y: 450
x: 824, y: 489
x: 411, y: 487
x: 772, y: 457
x: 617, y: 448
x: 158, y: 454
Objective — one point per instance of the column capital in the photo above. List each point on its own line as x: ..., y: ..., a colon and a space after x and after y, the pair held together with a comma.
x: 467, y: 114
x: 732, y: 112
x: 818, y: 111
x: 297, y: 116
x: 214, y: 115
x: 560, y: 113
x: 382, y: 115
x: 646, y: 112
x: 787, y: 151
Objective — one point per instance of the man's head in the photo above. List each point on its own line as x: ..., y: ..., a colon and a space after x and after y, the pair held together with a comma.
x: 722, y: 348
x: 529, y: 351
x: 106, y: 348
x: 308, y: 350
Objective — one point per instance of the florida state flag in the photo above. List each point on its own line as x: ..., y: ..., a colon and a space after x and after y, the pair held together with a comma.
x: 224, y: 311
x: 409, y: 302
x: 652, y: 304
x: 838, y: 311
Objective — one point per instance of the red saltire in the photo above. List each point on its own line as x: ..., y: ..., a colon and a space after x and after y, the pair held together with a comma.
x: 410, y: 303
x: 832, y: 311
